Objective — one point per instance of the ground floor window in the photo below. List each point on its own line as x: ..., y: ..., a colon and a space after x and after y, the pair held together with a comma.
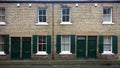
x: 107, y: 44
x: 41, y: 45
x: 65, y: 44
x: 2, y: 45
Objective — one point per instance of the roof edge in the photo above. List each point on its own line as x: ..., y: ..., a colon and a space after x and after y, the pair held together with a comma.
x: 59, y: 1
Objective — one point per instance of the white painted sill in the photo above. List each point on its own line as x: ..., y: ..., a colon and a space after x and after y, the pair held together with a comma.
x: 108, y: 23
x: 41, y: 53
x: 65, y: 23
x: 107, y: 53
x: 2, y: 53
x: 42, y: 23
x: 2, y: 23
x: 65, y: 53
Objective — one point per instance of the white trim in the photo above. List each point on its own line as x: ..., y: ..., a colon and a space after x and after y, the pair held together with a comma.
x: 108, y: 23
x: 42, y: 23
x: 2, y: 23
x: 107, y: 53
x: 2, y: 53
x: 65, y: 52
x: 65, y: 23
x: 41, y: 53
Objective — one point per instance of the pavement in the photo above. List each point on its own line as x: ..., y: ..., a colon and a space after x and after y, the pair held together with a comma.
x: 60, y: 62
x: 57, y: 66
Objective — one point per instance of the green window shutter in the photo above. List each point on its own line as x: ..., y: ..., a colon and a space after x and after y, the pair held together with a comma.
x: 114, y: 44
x: 100, y: 44
x: 58, y: 44
x: 34, y: 43
x: 72, y: 43
x: 49, y: 44
x: 6, y: 42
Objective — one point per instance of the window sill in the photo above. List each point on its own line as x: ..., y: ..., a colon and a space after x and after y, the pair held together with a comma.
x: 2, y: 23
x: 65, y: 23
x: 108, y: 23
x: 65, y: 52
x: 42, y: 23
x: 107, y: 53
x: 2, y: 53
x: 41, y: 53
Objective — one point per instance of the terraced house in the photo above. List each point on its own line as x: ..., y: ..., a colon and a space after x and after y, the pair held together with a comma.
x: 59, y: 29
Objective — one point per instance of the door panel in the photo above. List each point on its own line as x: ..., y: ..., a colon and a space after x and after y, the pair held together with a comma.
x: 15, y: 48
x: 81, y: 47
x: 92, y: 43
x: 26, y: 48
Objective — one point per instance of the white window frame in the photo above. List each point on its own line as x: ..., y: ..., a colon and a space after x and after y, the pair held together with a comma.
x: 107, y: 52
x: 64, y: 23
x: 41, y: 52
x: 66, y: 52
x: 2, y: 52
x: 3, y: 22
x: 42, y: 23
x: 108, y: 22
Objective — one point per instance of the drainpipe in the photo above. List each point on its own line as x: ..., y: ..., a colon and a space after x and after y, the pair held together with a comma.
x: 53, y: 32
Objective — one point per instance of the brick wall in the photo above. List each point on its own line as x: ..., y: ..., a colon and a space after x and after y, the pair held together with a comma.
x: 86, y: 19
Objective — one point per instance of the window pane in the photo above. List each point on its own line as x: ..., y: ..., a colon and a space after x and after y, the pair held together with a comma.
x: 40, y: 18
x: 107, y: 18
x: 67, y: 47
x: 1, y: 43
x: 0, y: 18
x: 63, y: 19
x: 44, y: 39
x: 44, y: 11
x: 44, y: 47
x: 63, y: 47
x: 44, y: 18
x: 40, y: 47
x: 107, y: 40
x: 67, y: 18
x: 1, y: 47
x: 107, y: 47
x: 3, y: 11
x: 67, y: 11
x: 63, y: 11
x: 40, y: 39
x: 1, y: 39
x: 40, y: 12
x: 0, y: 11
x: 107, y: 10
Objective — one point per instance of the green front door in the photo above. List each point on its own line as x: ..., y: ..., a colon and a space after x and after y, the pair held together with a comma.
x: 81, y: 47
x: 26, y: 48
x: 92, y: 44
x: 15, y: 48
